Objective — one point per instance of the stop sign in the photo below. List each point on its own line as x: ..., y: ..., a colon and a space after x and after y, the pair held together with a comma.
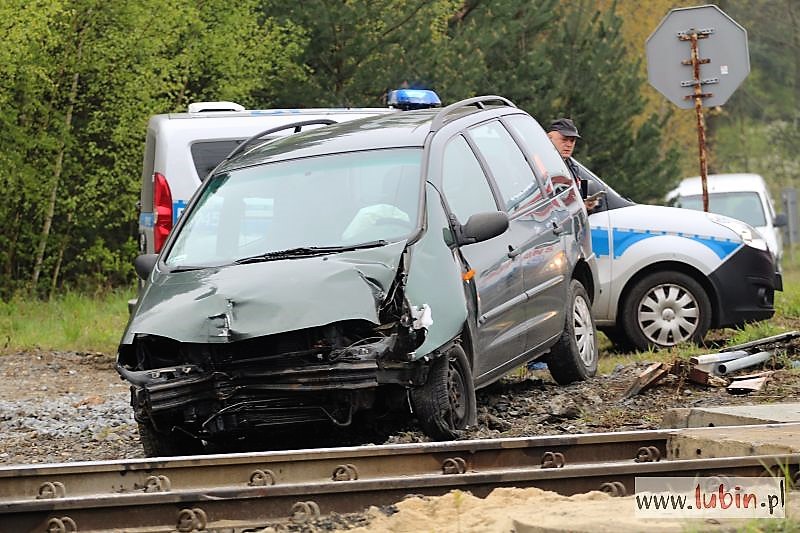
x: 723, y: 42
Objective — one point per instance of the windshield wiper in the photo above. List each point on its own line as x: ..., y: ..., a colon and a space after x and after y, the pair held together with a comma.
x: 307, y: 251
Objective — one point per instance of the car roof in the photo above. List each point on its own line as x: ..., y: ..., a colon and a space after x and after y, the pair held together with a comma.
x: 402, y: 129
x: 722, y: 183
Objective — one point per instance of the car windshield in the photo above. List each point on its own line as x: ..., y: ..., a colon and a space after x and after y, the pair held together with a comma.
x: 301, y: 207
x: 745, y: 206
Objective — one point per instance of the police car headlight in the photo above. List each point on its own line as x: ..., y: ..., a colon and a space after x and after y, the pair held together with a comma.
x: 749, y: 235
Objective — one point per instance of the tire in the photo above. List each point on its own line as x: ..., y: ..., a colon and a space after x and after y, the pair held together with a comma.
x: 158, y: 444
x: 445, y: 405
x: 664, y: 309
x: 574, y: 356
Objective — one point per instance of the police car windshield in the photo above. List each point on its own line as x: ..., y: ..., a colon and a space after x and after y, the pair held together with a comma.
x: 333, y: 201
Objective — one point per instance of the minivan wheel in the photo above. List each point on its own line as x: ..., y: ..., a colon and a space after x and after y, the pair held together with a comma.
x: 158, y: 444
x: 664, y: 309
x: 446, y: 404
x: 574, y: 355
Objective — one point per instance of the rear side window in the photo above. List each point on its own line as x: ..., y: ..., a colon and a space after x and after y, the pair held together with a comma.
x: 207, y: 154
x: 545, y: 159
x: 508, y: 166
x: 464, y: 183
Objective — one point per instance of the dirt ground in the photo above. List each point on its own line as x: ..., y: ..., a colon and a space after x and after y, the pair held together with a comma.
x: 71, y: 406
x: 75, y: 407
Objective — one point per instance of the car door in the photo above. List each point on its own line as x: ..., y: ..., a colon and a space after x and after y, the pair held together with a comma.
x: 537, y: 221
x: 497, y: 278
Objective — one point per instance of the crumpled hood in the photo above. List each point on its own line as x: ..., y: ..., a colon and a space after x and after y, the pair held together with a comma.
x: 236, y: 302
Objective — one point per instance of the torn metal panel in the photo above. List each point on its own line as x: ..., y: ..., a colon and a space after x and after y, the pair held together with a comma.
x: 218, y: 305
x: 750, y: 383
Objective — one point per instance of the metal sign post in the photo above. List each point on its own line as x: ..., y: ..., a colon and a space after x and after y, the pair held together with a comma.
x: 698, y: 95
x: 725, y: 64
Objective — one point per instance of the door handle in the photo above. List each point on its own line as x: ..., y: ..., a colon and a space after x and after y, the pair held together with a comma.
x: 558, y: 229
x: 512, y: 253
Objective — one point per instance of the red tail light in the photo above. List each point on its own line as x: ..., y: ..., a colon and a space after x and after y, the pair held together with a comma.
x: 162, y: 209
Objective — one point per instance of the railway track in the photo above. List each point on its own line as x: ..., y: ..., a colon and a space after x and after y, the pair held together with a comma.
x: 239, y: 492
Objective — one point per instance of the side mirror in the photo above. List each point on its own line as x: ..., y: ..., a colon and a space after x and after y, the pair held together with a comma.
x: 144, y: 264
x: 482, y: 227
x: 780, y: 220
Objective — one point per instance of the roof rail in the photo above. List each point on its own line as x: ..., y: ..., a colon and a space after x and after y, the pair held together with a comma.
x: 477, y: 101
x: 201, y: 107
x: 296, y: 125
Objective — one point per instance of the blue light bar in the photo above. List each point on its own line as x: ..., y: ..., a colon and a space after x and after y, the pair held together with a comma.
x: 406, y: 99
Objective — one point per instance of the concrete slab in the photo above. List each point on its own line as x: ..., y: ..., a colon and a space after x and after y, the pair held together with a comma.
x: 733, y: 415
x: 707, y: 443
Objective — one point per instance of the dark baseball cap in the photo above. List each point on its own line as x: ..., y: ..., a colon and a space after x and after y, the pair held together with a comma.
x: 565, y: 127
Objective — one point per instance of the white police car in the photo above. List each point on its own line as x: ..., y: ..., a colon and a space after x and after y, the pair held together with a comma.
x: 668, y: 275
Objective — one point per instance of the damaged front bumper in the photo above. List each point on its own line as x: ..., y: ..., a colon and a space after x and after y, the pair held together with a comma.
x: 242, y: 395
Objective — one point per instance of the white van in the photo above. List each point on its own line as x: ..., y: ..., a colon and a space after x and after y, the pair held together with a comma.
x: 741, y: 196
x: 182, y: 148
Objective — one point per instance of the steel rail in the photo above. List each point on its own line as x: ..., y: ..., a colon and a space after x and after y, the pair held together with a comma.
x: 235, y: 507
x: 21, y: 482
x: 261, y: 487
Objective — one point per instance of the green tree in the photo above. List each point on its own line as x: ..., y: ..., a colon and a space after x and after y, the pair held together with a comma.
x: 358, y: 49
x: 81, y: 99
x: 758, y: 129
x: 570, y: 60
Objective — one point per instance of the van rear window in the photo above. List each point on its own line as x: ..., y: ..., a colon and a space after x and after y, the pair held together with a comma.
x: 745, y: 206
x: 207, y: 154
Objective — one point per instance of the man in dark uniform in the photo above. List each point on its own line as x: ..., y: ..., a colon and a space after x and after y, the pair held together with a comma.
x: 564, y: 136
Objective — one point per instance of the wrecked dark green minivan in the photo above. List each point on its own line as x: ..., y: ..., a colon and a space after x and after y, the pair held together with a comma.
x: 391, y: 264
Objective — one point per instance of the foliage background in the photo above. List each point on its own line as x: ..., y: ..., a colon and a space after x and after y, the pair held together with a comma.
x: 80, y: 78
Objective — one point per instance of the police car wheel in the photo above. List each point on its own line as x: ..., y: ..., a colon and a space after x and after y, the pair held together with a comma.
x: 665, y: 309
x: 574, y: 356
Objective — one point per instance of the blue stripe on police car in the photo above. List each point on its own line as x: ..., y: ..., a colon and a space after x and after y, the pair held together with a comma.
x: 624, y: 239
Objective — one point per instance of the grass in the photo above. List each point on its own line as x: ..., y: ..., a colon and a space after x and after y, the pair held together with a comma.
x: 72, y: 322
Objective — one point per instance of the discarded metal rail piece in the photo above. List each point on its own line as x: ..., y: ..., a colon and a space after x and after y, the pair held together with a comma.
x: 779, y: 338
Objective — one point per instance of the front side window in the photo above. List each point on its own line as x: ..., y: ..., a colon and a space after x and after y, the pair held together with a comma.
x: 508, y: 166
x: 464, y: 183
x: 336, y: 200
x: 745, y: 206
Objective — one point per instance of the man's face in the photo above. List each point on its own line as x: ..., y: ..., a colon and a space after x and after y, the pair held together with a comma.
x: 564, y: 145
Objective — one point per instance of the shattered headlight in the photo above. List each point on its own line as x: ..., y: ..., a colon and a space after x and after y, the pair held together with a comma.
x: 749, y: 235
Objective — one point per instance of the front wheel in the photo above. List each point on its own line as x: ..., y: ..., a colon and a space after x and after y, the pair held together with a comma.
x: 574, y: 355
x: 664, y: 309
x: 446, y: 404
